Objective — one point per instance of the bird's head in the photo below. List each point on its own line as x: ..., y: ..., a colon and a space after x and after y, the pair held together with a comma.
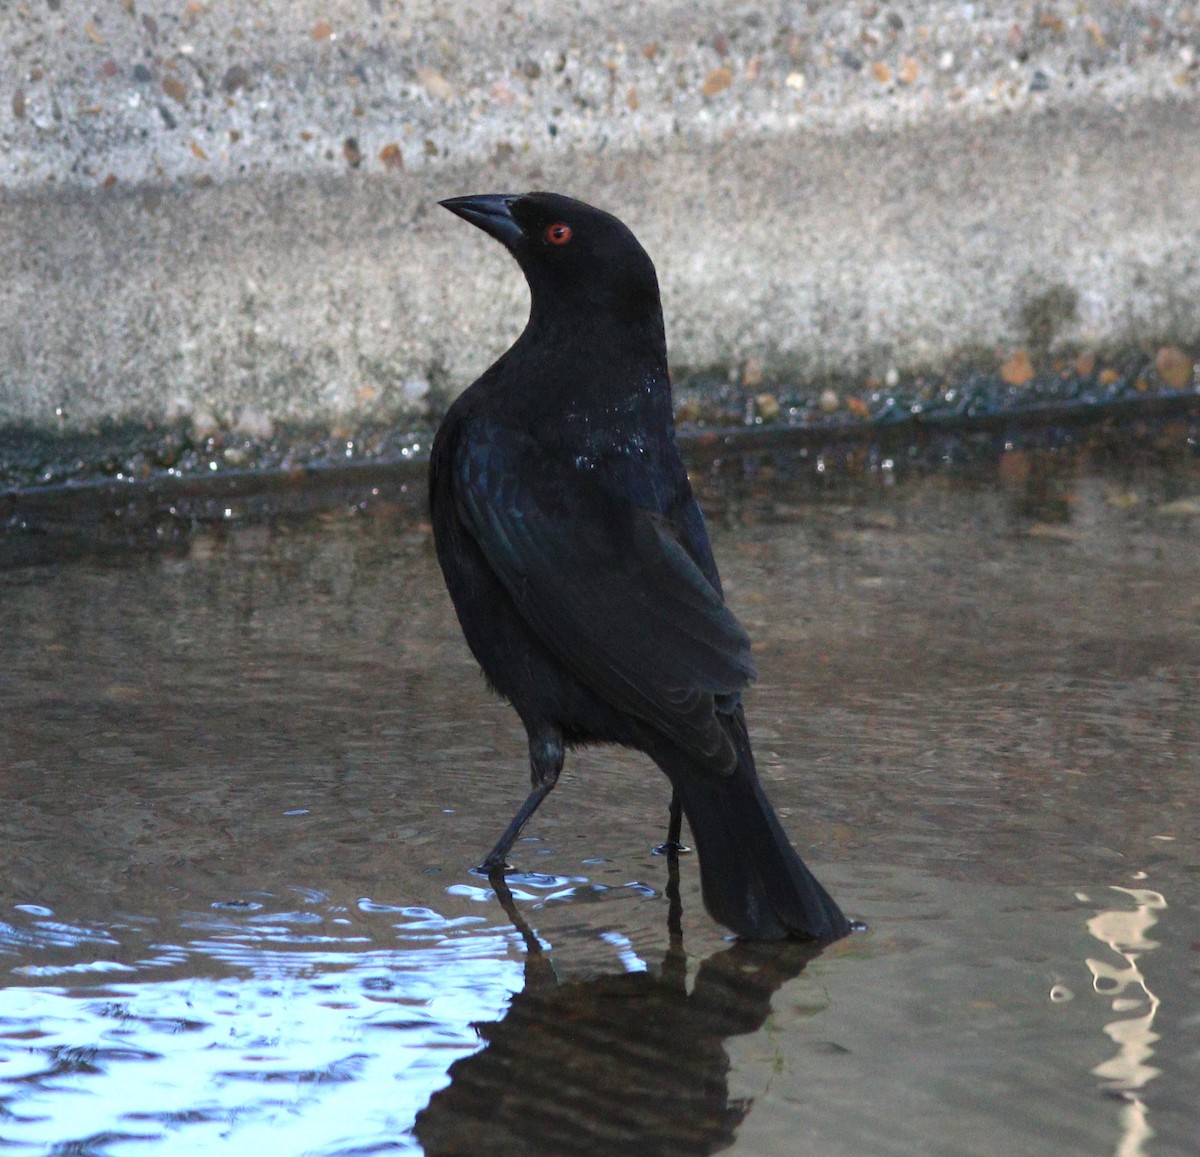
x: 569, y: 251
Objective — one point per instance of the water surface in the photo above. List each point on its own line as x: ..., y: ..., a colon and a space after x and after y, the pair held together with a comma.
x: 242, y: 785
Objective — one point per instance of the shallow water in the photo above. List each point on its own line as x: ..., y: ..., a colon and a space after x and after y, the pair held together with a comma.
x: 242, y: 786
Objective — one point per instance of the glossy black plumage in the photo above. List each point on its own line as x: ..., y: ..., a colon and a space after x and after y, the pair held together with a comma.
x: 580, y: 566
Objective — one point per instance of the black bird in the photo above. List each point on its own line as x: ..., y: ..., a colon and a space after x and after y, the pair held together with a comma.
x: 580, y: 566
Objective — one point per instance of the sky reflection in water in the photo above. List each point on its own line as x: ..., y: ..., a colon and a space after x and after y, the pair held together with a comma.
x: 277, y: 1042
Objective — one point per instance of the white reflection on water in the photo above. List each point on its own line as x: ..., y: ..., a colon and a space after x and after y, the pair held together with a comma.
x: 1128, y: 1072
x: 293, y: 1043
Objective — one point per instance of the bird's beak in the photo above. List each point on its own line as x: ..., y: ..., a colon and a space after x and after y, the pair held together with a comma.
x: 491, y: 212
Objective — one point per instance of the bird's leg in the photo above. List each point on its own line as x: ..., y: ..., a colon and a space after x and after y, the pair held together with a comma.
x: 673, y: 846
x: 675, y: 821
x: 497, y: 858
x: 545, y: 764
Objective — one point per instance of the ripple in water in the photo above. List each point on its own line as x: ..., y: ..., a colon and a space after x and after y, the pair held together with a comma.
x: 263, y: 1035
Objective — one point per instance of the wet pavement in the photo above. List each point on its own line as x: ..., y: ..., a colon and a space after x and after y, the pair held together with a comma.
x: 244, y: 776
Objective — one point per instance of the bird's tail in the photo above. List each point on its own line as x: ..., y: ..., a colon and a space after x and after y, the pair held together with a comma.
x: 751, y: 877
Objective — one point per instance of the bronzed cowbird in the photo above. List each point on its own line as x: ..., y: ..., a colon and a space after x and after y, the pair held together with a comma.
x: 580, y: 566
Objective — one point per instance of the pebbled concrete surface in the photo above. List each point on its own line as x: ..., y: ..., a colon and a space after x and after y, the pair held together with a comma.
x: 226, y: 211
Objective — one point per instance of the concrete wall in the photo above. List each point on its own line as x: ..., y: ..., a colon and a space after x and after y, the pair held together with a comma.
x: 227, y: 209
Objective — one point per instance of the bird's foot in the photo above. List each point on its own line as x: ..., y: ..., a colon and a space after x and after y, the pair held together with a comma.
x: 494, y: 866
x: 671, y: 848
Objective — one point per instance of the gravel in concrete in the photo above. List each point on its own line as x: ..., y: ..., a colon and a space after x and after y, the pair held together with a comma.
x: 227, y: 210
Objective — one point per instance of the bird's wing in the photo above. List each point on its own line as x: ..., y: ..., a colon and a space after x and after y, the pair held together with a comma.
x: 607, y: 587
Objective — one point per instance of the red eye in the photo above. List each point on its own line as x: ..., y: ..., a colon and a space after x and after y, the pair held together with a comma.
x: 558, y: 234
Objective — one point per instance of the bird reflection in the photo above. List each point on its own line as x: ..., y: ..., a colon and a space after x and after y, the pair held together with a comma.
x: 618, y: 1064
